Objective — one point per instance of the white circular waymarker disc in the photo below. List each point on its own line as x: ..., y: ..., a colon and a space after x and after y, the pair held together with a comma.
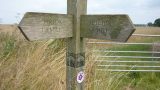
x: 80, y: 77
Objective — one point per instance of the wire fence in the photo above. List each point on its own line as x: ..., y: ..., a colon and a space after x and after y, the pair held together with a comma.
x: 119, y: 43
x: 128, y: 60
x: 104, y: 51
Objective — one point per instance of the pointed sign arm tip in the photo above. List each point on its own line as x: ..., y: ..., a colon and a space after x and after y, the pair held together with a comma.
x: 23, y: 33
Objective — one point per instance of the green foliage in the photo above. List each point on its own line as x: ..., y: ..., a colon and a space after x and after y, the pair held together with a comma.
x: 7, y: 45
x: 150, y: 24
x: 157, y: 22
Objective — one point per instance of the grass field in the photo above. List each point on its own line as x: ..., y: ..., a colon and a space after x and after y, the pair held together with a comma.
x: 130, y: 80
x: 40, y: 65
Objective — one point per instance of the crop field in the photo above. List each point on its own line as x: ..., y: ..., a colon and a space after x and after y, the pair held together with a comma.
x: 40, y: 65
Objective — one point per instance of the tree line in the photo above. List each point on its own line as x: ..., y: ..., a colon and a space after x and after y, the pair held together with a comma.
x: 156, y: 23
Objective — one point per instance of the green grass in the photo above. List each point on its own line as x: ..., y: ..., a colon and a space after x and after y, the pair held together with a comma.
x: 129, y: 80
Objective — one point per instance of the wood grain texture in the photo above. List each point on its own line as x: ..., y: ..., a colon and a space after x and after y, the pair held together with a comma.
x: 109, y: 27
x: 39, y: 26
x: 75, y: 45
x: 156, y: 48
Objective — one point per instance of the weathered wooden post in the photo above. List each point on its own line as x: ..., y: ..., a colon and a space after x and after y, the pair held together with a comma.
x: 76, y: 26
x: 76, y: 46
x: 155, y: 48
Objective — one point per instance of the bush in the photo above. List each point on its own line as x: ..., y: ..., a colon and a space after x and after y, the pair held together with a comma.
x: 150, y: 24
x: 157, y: 22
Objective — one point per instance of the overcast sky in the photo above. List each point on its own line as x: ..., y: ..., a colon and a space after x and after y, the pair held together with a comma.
x: 140, y: 11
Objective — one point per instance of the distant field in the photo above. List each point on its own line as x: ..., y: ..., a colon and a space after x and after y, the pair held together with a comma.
x: 7, y: 28
x: 148, y: 30
x: 145, y: 30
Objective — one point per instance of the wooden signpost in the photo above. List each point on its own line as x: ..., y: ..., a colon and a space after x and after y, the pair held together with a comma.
x: 39, y: 26
x: 108, y: 27
x: 76, y: 26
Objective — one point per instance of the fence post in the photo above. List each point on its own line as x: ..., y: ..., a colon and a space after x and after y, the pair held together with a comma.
x: 75, y: 47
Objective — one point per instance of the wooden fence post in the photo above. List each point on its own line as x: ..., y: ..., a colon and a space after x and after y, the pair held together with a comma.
x: 75, y: 47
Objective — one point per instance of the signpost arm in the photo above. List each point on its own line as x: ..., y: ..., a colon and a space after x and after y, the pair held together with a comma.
x: 38, y: 26
x: 75, y: 46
